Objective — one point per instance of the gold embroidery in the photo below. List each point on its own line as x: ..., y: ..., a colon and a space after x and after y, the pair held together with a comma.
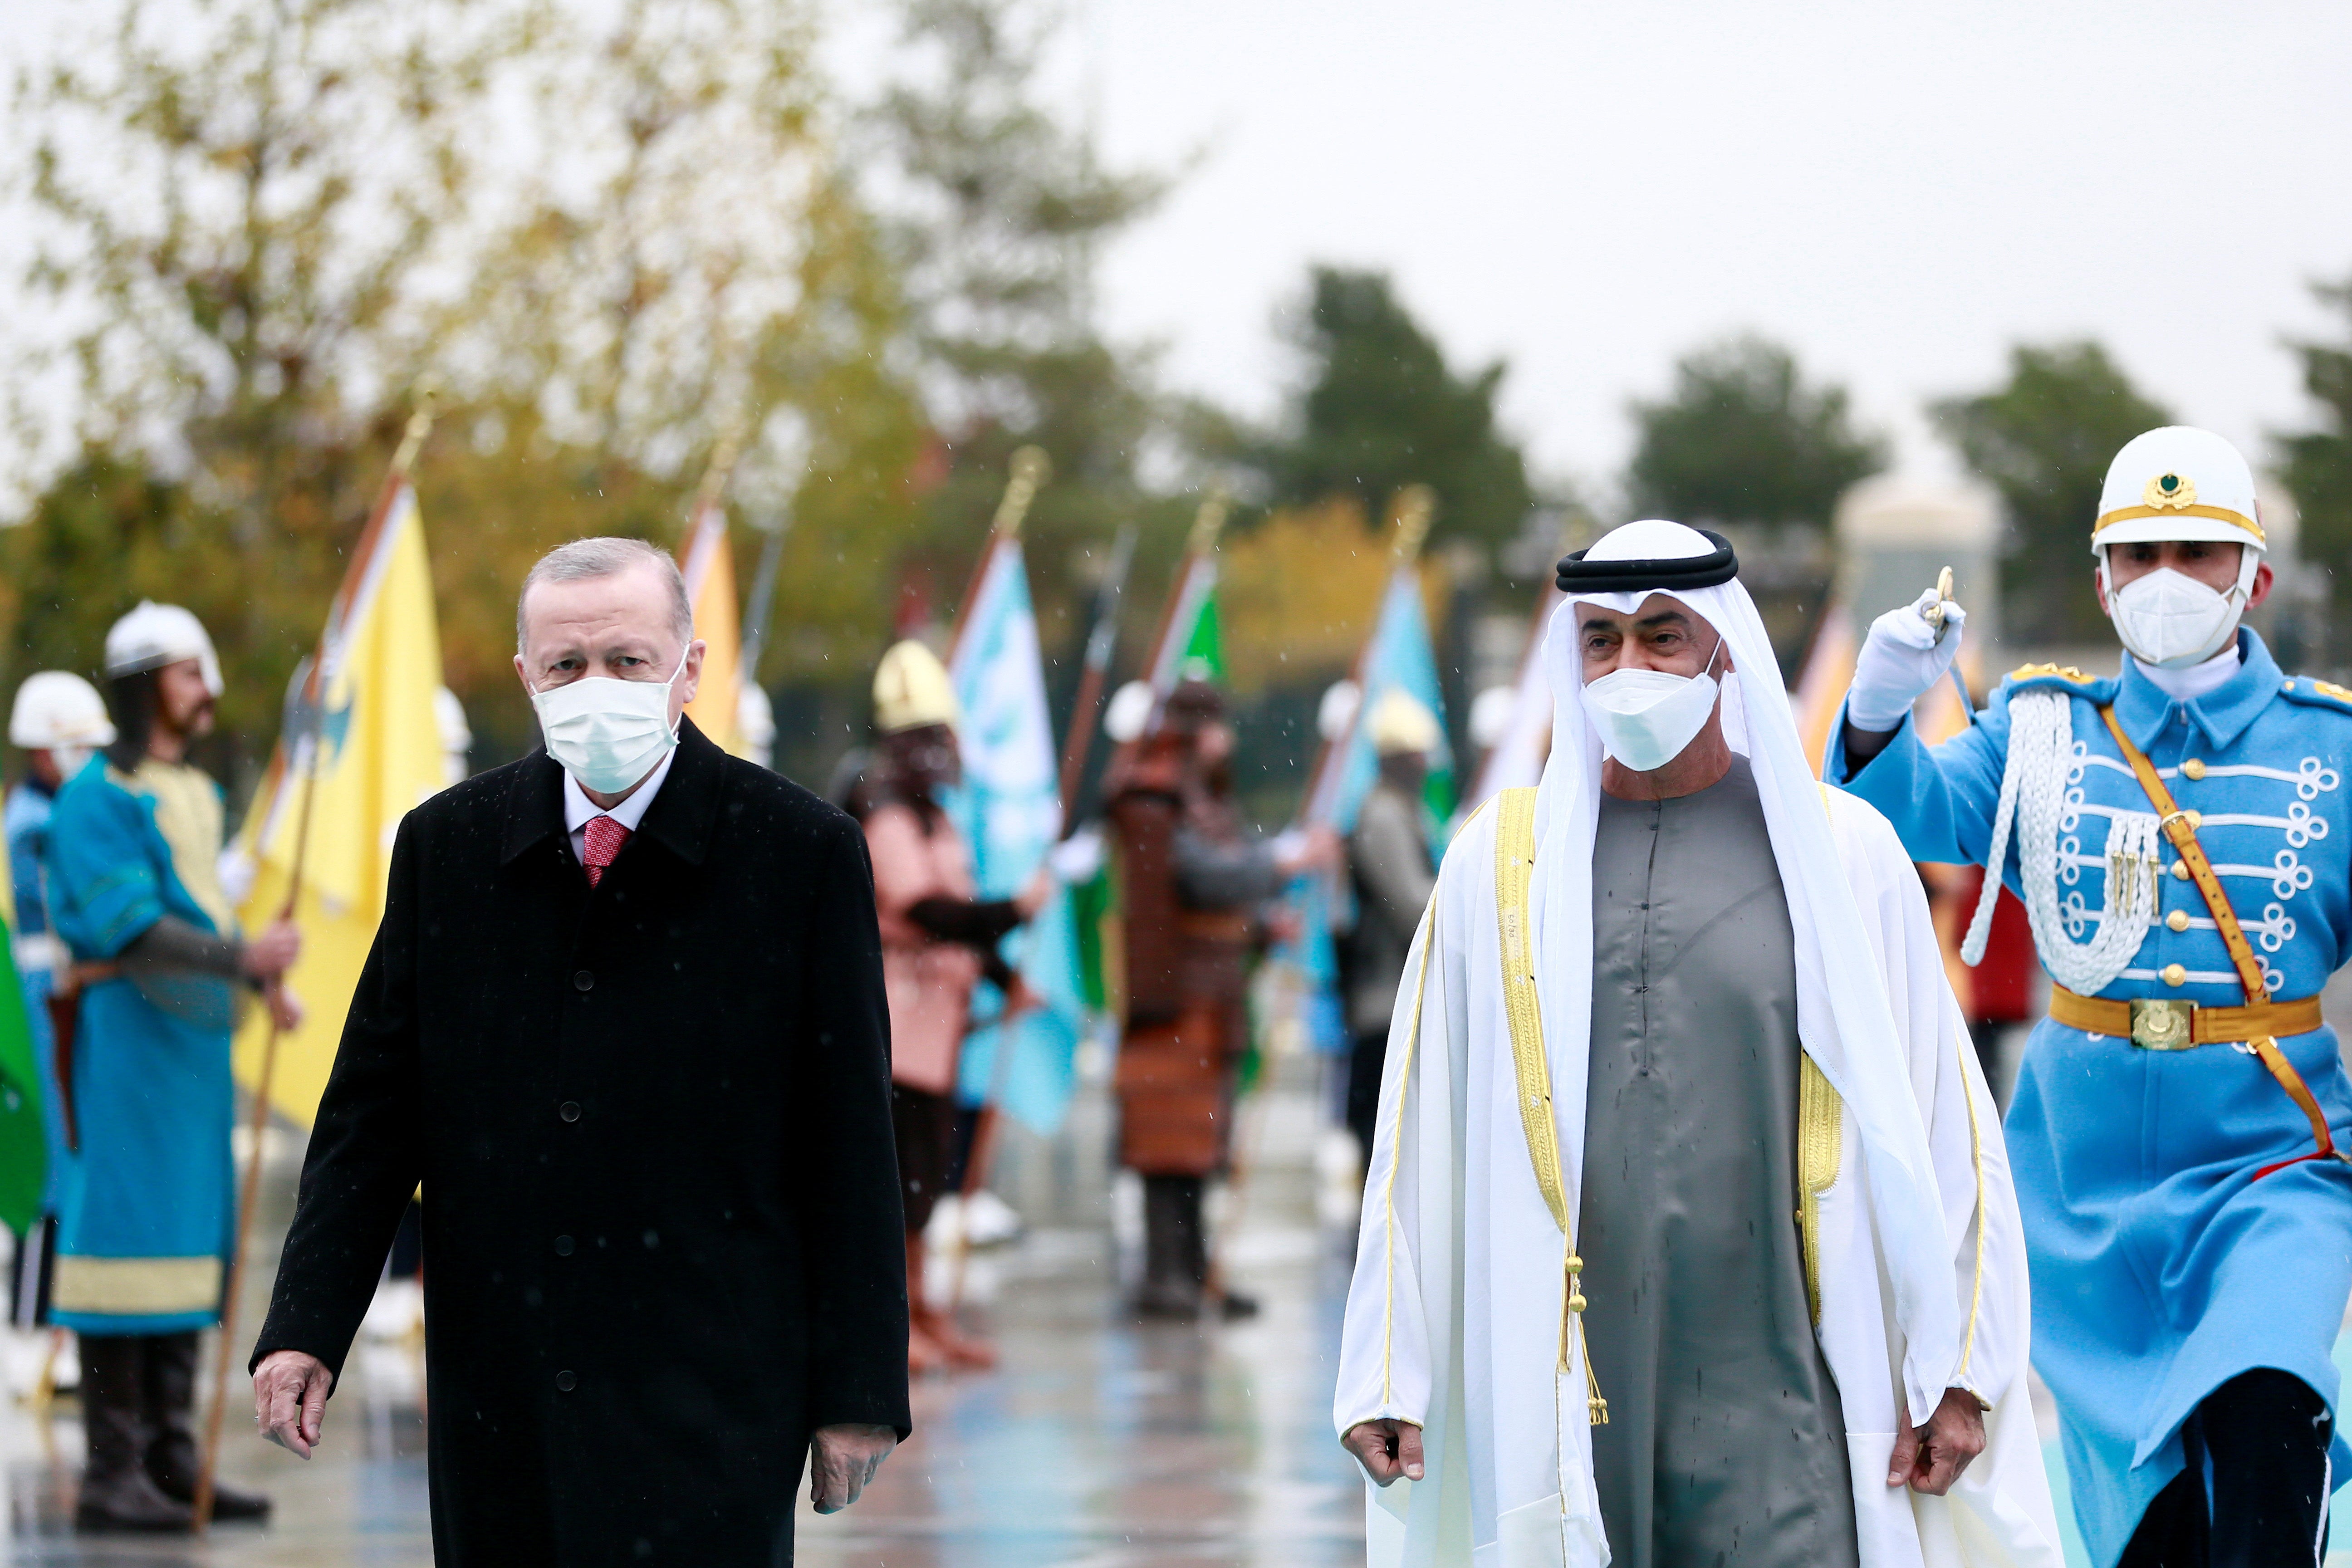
x: 137, y: 1287
x: 1515, y: 863
x: 1820, y: 1146
x: 2062, y: 671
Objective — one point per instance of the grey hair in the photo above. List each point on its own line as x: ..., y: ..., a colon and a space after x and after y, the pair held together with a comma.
x: 608, y: 555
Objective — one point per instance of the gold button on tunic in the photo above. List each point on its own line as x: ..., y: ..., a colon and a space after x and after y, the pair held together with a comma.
x: 2174, y: 974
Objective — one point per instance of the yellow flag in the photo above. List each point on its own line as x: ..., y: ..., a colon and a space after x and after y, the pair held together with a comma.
x: 709, y: 572
x: 379, y: 753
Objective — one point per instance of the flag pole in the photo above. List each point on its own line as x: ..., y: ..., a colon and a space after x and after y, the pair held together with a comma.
x: 1102, y: 641
x: 1030, y: 470
x: 420, y: 425
x: 1412, y: 510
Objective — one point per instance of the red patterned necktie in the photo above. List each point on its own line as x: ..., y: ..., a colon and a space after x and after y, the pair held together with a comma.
x: 603, y: 839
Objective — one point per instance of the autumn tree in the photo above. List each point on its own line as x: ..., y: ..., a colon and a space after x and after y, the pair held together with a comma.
x: 610, y: 238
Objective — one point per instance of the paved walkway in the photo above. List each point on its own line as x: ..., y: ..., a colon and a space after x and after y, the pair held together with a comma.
x: 1101, y: 1442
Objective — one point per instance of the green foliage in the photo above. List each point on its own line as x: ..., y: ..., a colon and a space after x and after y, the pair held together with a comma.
x: 1743, y: 439
x: 277, y: 217
x: 1382, y: 410
x: 997, y: 211
x: 2316, y: 464
x: 2043, y: 441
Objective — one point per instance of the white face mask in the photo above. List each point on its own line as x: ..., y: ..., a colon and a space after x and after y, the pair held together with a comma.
x: 1646, y: 717
x: 2171, y: 620
x: 69, y: 761
x: 608, y: 734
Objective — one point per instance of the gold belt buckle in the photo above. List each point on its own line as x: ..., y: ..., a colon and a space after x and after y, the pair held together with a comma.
x: 2161, y: 1024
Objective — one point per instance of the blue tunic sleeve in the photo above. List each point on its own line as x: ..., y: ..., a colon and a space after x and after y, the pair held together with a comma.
x: 1940, y: 798
x: 104, y: 886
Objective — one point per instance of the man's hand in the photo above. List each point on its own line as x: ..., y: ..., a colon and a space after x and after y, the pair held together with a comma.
x: 843, y: 1459
x: 285, y: 1007
x: 1387, y: 1449
x: 273, y: 953
x: 289, y: 1399
x: 1932, y: 1460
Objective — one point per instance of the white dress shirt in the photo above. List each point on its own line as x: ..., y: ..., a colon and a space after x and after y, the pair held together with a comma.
x: 579, y: 810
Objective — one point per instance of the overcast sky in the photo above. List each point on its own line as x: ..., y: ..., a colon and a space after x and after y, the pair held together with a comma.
x: 1900, y: 192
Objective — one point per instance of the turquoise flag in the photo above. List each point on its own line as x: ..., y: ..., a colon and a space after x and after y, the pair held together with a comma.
x: 1398, y: 655
x: 1009, y: 808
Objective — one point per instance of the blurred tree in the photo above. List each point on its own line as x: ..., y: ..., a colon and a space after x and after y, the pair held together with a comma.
x: 1382, y: 410
x: 2044, y: 441
x: 999, y: 211
x: 1743, y: 439
x: 609, y: 236
x: 2316, y: 464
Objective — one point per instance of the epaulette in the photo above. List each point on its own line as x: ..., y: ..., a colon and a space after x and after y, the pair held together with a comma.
x: 2062, y: 675
x: 2310, y: 693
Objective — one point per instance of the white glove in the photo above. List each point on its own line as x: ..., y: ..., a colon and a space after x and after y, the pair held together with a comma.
x: 1902, y: 658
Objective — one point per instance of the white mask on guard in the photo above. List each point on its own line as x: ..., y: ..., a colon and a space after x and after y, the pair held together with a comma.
x: 2170, y: 619
x: 606, y: 732
x: 1646, y: 717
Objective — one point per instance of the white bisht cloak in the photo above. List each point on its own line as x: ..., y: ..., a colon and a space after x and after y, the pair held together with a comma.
x: 1454, y: 1316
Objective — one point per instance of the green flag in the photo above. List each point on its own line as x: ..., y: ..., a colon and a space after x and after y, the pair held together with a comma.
x: 24, y: 1145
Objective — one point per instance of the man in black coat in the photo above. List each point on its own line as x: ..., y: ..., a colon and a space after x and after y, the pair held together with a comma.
x: 625, y: 1020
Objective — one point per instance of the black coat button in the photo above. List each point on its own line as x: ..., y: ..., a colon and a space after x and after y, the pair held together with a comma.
x: 569, y: 1110
x: 584, y: 981
x: 562, y: 1246
x: 566, y: 1381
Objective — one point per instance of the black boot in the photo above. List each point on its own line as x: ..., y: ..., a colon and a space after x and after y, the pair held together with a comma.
x: 172, y: 1459
x: 117, y: 1493
x: 1174, y: 1263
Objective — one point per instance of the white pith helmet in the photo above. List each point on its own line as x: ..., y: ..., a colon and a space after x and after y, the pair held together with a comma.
x: 2178, y: 483
x: 153, y: 636
x: 59, y: 710
x: 911, y: 689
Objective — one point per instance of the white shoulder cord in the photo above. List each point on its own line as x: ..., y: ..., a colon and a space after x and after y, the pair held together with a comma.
x: 2033, y: 786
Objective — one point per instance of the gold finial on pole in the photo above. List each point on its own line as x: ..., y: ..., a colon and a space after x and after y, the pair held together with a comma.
x: 1411, y: 512
x: 1031, y: 470
x: 1209, y: 522
x: 722, y: 463
x: 420, y: 425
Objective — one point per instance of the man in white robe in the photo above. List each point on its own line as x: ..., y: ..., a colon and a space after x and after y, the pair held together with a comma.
x: 1464, y: 1388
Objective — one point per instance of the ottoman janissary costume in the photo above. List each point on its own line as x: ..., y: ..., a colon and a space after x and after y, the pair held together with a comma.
x: 1623, y: 1345
x: 146, y: 1226
x: 2177, y: 835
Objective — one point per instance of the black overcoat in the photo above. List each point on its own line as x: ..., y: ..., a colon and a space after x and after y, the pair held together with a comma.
x: 662, y: 1232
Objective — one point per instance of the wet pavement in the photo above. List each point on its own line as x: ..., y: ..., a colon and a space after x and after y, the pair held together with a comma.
x: 1102, y: 1441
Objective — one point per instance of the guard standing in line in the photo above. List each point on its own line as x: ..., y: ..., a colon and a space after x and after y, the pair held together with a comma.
x: 939, y: 937
x: 145, y: 1229
x: 58, y: 721
x: 1392, y: 876
x: 1191, y: 886
x: 2181, y: 1122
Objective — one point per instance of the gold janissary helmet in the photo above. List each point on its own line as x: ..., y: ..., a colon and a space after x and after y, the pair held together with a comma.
x: 911, y: 689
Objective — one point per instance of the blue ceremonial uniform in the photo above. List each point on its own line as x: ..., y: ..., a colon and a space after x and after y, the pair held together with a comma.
x: 38, y: 955
x: 144, y: 1233
x: 2161, y: 1267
